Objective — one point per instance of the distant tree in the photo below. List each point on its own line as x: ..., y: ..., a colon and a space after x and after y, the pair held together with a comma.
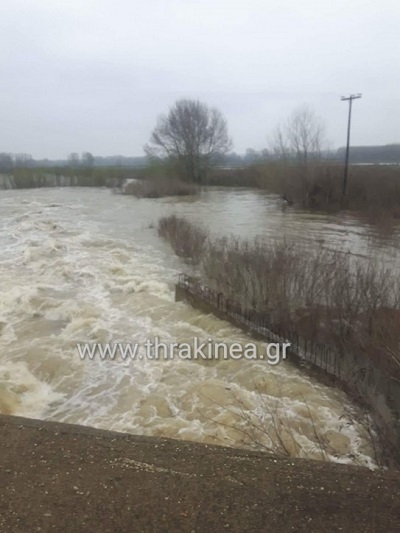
x: 251, y: 156
x: 6, y: 163
x: 73, y: 160
x: 87, y: 160
x: 300, y: 138
x: 23, y: 161
x: 192, y: 136
x: 233, y: 159
x: 299, y: 142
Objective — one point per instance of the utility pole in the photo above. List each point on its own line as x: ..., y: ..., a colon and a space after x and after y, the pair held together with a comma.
x: 346, y: 165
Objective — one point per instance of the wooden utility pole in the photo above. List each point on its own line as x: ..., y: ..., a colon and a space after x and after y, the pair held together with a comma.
x: 346, y: 165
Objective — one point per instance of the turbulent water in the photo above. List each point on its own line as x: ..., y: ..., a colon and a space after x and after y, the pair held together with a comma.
x: 83, y: 265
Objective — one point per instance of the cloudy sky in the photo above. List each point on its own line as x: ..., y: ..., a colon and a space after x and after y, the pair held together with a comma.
x: 93, y: 75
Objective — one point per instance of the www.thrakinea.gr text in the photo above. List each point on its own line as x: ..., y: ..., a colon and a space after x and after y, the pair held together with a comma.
x: 154, y: 350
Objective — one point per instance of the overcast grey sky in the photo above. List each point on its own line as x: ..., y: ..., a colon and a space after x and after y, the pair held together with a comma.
x: 94, y: 75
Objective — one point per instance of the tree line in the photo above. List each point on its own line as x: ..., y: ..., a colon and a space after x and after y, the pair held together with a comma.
x: 193, y: 138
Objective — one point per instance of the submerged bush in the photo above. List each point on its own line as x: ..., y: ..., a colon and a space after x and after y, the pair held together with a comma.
x: 160, y: 187
x: 188, y: 240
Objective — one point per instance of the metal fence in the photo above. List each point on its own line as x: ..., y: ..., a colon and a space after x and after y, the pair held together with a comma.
x: 322, y: 355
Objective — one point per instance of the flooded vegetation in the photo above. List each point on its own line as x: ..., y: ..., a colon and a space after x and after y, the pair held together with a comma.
x: 159, y: 187
x: 324, y: 295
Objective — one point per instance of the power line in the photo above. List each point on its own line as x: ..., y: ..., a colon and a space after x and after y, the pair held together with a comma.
x: 346, y: 165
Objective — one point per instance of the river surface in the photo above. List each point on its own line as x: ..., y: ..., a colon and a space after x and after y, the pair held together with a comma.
x: 87, y: 265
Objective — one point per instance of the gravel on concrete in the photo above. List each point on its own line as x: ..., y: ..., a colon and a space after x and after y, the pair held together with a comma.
x: 66, y: 478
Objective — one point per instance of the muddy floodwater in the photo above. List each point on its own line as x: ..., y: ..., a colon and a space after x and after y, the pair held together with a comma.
x: 86, y: 265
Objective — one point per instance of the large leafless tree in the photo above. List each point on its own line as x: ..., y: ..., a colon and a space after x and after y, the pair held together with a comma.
x: 192, y: 136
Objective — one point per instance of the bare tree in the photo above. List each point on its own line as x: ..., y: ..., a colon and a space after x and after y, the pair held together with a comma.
x: 301, y: 137
x: 192, y: 136
x: 299, y: 142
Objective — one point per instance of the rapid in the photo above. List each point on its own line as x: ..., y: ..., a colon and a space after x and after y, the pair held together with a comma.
x: 87, y: 265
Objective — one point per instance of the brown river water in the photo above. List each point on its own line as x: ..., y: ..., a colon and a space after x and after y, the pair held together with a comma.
x: 87, y: 265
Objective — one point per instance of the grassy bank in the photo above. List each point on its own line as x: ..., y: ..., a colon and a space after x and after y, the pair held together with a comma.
x: 153, y: 181
x: 373, y: 190
x: 26, y: 178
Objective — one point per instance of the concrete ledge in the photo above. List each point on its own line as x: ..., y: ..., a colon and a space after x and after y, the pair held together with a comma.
x: 60, y: 477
